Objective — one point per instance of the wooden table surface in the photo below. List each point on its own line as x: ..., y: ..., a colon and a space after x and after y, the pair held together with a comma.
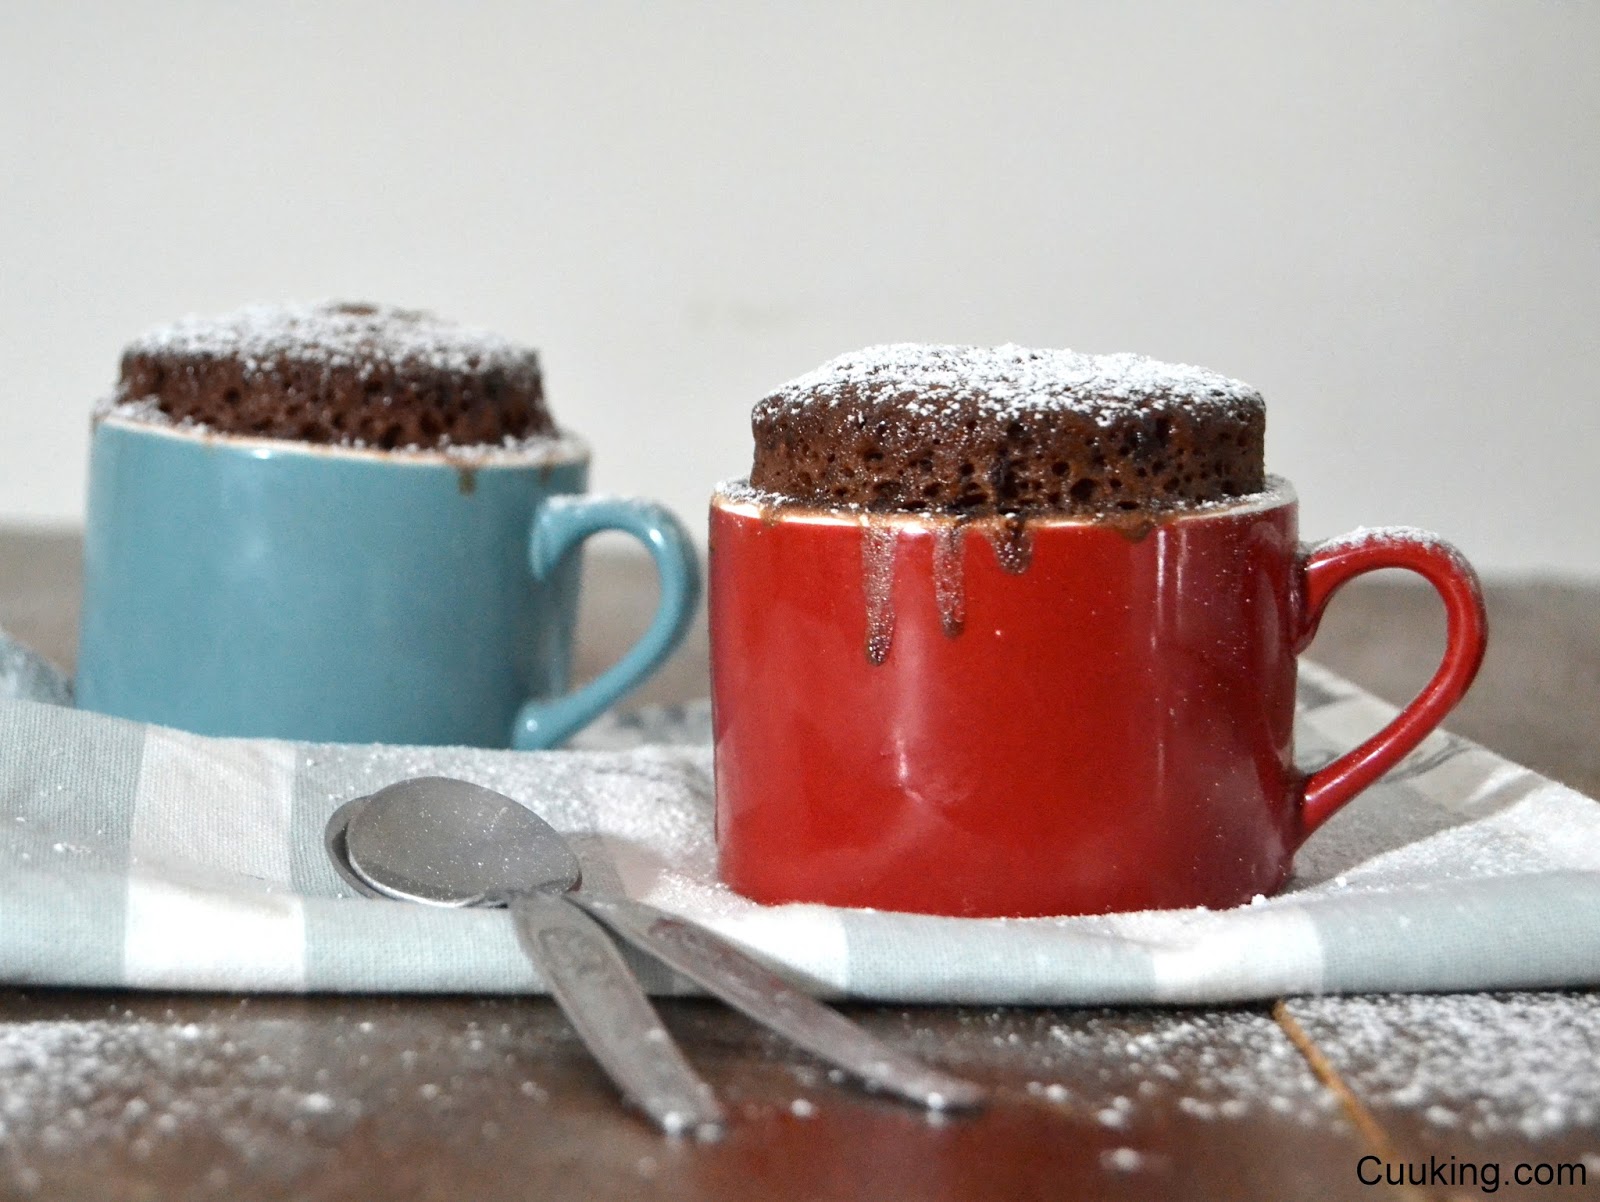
x: 124, y: 1095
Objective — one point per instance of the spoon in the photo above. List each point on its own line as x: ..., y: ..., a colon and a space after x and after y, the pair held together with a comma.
x: 448, y: 843
x: 507, y: 829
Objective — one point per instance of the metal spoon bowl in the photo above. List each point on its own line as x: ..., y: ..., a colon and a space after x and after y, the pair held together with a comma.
x: 444, y: 842
x: 397, y: 844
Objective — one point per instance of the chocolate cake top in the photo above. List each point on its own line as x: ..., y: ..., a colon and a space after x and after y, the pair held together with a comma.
x: 1006, y: 429
x: 339, y: 373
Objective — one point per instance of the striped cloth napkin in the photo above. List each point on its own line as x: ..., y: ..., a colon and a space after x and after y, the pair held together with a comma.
x: 133, y: 855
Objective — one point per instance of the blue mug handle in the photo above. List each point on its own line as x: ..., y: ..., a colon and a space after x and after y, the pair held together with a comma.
x: 559, y: 526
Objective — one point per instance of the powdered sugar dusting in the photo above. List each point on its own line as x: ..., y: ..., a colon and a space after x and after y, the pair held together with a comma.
x: 1011, y: 380
x: 123, y: 1085
x: 1482, y: 1065
x: 1372, y: 536
x: 1130, y: 1069
x: 337, y: 335
x: 256, y: 1097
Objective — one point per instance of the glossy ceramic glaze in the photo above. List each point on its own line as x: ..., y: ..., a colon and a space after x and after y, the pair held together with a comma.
x: 1098, y: 718
x: 251, y: 587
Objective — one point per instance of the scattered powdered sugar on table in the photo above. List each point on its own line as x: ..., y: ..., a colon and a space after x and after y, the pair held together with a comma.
x: 1122, y: 1160
x: 73, y: 1085
x: 1010, y: 379
x: 1123, y: 1068
x: 1520, y: 1065
x: 242, y: 1096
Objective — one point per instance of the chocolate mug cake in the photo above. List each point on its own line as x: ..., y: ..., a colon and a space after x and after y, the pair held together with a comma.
x: 349, y: 523
x: 1007, y: 430
x: 986, y: 440
x: 342, y: 374
x: 1012, y: 632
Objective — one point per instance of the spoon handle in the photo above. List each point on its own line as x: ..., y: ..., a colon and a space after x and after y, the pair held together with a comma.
x: 601, y: 998
x: 730, y: 974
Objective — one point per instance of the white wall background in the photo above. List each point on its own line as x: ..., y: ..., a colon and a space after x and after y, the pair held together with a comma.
x: 1385, y: 215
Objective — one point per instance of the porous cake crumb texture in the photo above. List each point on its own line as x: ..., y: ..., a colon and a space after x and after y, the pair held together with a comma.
x: 981, y: 430
x: 343, y: 374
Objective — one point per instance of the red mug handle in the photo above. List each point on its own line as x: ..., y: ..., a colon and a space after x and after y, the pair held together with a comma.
x: 1329, y: 565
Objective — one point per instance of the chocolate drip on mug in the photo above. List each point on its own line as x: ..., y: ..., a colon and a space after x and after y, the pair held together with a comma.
x: 949, y: 585
x: 1012, y: 542
x: 877, y: 579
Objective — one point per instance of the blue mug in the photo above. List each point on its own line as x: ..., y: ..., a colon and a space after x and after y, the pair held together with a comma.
x: 240, y: 586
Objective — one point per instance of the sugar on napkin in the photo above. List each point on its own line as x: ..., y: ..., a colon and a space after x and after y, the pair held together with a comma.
x: 133, y: 855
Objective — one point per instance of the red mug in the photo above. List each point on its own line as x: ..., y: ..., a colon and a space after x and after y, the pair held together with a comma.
x: 1063, y: 716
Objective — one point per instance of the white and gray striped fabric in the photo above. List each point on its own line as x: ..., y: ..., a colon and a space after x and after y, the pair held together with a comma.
x: 132, y: 855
